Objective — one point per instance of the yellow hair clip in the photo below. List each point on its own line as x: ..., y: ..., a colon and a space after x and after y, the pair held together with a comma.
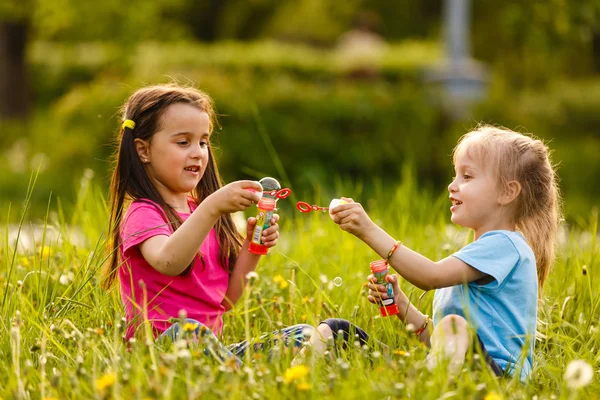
x: 128, y: 124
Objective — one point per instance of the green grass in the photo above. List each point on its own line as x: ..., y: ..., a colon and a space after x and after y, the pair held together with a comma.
x: 61, y: 333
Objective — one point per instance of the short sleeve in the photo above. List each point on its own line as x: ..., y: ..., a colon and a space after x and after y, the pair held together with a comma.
x: 142, y: 222
x: 493, y: 254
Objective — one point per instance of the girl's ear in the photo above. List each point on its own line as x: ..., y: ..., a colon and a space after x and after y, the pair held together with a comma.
x: 510, y: 193
x: 141, y: 147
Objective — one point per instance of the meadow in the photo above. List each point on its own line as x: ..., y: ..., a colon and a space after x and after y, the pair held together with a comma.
x: 62, y: 333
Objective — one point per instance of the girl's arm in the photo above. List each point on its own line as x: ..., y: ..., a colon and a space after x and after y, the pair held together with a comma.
x: 170, y: 255
x: 418, y: 269
x: 247, y: 261
x: 415, y: 268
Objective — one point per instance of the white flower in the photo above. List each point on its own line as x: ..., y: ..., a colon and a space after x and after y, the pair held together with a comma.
x: 252, y: 276
x: 578, y: 374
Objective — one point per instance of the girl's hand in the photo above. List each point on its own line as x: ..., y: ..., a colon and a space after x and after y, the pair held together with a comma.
x: 352, y: 218
x: 235, y: 196
x: 269, y: 235
x: 377, y: 293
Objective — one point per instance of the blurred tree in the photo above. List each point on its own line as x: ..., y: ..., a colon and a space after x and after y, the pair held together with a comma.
x: 14, y: 26
x: 125, y: 22
x: 311, y: 21
x: 533, y: 41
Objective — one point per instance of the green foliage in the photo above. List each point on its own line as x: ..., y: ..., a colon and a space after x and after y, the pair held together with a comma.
x: 320, y: 115
x: 62, y: 333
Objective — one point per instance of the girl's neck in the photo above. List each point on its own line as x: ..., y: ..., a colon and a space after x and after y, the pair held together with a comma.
x: 179, y: 203
x: 506, y: 226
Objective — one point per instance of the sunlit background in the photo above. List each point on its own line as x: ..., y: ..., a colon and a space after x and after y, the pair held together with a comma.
x: 312, y: 92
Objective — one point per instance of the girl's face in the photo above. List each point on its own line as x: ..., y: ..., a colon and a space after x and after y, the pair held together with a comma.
x: 474, y: 195
x: 177, y: 155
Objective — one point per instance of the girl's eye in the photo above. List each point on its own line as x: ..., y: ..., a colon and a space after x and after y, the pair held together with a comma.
x: 465, y: 176
x: 203, y: 144
x: 182, y: 143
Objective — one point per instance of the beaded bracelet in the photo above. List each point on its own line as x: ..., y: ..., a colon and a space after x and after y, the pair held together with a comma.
x: 423, y: 327
x: 393, y: 249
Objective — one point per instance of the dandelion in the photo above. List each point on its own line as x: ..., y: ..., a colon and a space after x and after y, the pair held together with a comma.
x: 401, y: 353
x: 105, y: 381
x: 252, y: 276
x: 307, y: 332
x: 283, y: 283
x: 182, y: 314
x: 323, y: 278
x: 492, y: 396
x: 190, y: 326
x: 303, y: 386
x: 578, y: 374
x: 297, y: 372
x: 46, y: 251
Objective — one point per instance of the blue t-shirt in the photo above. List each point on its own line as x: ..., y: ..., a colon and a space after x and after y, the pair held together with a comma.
x: 503, y: 311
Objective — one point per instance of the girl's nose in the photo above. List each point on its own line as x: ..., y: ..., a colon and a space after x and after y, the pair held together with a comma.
x: 452, y: 186
x: 197, y: 151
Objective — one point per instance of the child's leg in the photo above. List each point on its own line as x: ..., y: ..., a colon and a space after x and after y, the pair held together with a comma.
x: 449, y: 341
x: 195, y: 332
x: 331, y: 330
x: 293, y: 336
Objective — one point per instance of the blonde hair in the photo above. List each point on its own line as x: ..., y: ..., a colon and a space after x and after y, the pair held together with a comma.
x: 512, y: 156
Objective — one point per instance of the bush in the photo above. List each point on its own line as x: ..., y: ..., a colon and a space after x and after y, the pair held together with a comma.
x: 293, y: 112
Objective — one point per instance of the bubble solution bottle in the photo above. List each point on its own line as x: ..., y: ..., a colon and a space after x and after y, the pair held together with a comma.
x: 266, y: 208
x: 380, y: 270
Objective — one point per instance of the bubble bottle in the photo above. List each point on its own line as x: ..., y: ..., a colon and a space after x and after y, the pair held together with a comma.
x: 380, y: 270
x: 266, y: 208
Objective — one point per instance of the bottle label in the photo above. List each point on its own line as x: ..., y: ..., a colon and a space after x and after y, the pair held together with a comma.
x: 258, y: 228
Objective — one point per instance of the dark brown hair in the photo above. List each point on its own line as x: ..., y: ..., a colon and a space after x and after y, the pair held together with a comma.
x: 130, y: 182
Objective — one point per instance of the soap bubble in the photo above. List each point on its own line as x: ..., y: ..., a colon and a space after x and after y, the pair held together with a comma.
x: 337, y: 281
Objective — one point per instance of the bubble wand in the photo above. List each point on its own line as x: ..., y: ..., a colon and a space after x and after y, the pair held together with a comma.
x: 304, y: 207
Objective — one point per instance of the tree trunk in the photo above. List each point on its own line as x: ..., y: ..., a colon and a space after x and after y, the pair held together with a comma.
x: 14, y: 93
x: 596, y: 50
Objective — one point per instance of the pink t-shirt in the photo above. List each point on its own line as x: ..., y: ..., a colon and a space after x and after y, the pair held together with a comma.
x: 200, y: 292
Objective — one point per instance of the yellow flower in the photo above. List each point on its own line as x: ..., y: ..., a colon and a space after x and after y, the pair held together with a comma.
x: 400, y: 352
x: 295, y: 373
x: 190, y: 327
x: 281, y: 281
x: 106, y: 381
x: 46, y: 251
x: 24, y: 261
x: 492, y: 396
x: 303, y: 386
